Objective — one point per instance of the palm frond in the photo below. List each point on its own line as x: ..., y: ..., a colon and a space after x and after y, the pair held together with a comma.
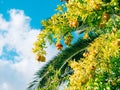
x: 60, y: 63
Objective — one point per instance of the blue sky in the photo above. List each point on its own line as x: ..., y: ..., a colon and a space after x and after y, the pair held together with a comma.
x: 19, y: 26
x: 36, y: 9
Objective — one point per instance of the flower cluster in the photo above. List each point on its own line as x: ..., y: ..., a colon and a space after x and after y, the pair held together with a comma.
x: 97, y: 70
x: 97, y: 15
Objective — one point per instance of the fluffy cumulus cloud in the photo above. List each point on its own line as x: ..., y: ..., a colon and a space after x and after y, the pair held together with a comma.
x: 17, y: 64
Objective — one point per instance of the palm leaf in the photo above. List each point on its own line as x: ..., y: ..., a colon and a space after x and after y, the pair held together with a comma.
x: 59, y: 63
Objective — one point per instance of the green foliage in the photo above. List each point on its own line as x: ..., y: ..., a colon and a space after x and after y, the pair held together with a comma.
x: 100, y: 69
x: 95, y: 66
x: 106, y: 1
x: 58, y: 66
x: 74, y: 15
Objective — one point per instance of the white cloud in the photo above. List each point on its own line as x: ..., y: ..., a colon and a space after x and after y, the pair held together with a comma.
x: 5, y: 86
x: 3, y: 23
x: 17, y: 35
